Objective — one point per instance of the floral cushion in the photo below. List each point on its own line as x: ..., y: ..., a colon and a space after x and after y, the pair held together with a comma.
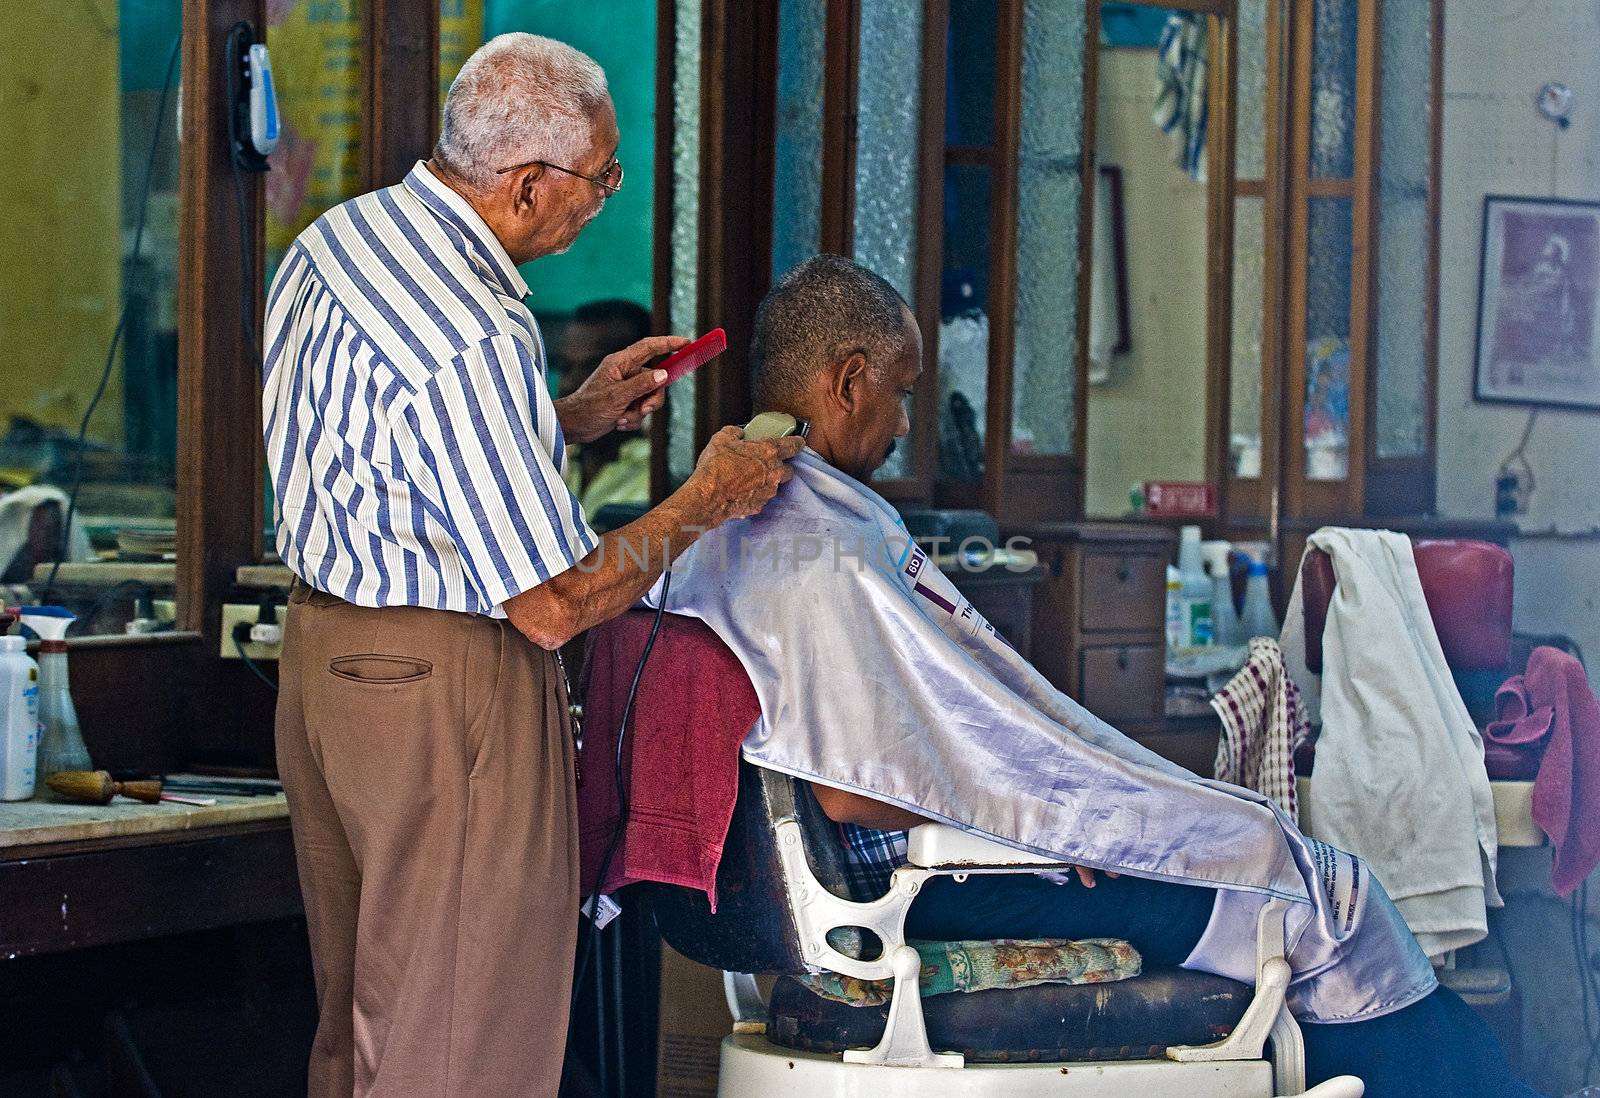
x: 1003, y: 962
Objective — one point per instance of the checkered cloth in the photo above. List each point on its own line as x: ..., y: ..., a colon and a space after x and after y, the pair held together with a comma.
x: 870, y: 859
x: 1263, y: 721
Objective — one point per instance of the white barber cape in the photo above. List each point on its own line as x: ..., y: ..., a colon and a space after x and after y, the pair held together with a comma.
x: 1399, y: 778
x: 875, y: 675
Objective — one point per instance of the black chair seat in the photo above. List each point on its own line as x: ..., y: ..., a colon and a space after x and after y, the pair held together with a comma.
x: 1128, y: 1020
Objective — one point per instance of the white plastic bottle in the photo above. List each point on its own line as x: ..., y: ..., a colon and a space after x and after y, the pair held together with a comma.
x: 19, y: 720
x: 1196, y: 589
x: 1258, y: 619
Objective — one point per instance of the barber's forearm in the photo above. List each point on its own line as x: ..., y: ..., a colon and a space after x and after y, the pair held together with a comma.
x: 578, y: 423
x: 613, y: 577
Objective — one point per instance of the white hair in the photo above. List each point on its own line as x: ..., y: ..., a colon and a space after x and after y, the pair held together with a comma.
x: 520, y: 97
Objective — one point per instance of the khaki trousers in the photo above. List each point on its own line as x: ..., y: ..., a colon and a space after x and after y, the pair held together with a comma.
x: 427, y: 758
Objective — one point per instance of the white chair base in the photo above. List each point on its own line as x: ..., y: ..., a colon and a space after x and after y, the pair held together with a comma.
x: 754, y: 1067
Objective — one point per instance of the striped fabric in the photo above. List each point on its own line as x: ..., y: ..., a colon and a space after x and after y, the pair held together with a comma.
x: 1181, y: 107
x: 413, y: 446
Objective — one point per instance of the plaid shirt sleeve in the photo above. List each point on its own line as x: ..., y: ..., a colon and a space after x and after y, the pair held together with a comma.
x: 870, y: 859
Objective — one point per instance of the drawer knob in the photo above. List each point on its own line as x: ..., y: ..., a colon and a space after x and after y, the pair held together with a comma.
x: 1123, y: 572
x: 1122, y: 659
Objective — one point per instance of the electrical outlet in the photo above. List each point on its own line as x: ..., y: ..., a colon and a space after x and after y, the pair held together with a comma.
x: 247, y: 614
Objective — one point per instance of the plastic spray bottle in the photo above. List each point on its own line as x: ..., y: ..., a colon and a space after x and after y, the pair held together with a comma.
x: 1225, y: 627
x: 1258, y: 620
x: 19, y: 719
x: 61, y: 744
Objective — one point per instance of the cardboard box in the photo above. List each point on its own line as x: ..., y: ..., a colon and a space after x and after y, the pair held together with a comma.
x: 694, y: 1020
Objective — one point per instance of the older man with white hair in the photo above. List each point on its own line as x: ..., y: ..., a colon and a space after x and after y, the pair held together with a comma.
x: 423, y: 729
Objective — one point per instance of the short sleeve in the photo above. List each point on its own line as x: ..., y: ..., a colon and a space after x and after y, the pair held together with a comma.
x: 486, y: 428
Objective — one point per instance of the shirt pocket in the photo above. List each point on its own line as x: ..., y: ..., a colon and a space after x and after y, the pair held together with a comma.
x: 379, y: 669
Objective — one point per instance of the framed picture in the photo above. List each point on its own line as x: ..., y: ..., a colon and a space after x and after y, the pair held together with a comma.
x: 1539, y: 303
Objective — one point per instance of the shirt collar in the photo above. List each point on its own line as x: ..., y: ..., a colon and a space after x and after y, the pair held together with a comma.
x: 451, y: 208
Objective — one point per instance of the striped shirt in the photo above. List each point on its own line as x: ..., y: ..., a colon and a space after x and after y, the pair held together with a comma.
x: 413, y: 446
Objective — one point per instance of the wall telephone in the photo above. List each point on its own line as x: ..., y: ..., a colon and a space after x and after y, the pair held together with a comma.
x: 253, y: 125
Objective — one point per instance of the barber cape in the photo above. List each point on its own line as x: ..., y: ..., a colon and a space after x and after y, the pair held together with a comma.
x: 876, y: 676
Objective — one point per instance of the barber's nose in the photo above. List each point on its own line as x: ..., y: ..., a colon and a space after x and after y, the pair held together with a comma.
x: 904, y: 427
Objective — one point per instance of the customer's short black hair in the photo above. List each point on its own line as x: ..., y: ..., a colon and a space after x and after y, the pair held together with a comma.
x: 628, y: 318
x: 820, y: 312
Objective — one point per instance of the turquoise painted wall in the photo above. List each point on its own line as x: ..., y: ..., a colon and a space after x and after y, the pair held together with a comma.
x: 612, y: 257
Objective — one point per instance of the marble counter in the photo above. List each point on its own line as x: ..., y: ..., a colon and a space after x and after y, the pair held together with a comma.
x: 31, y: 823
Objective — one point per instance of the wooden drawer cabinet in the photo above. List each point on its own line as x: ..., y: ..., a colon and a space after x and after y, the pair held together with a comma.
x: 1127, y: 681
x: 1123, y: 591
x: 1099, y: 616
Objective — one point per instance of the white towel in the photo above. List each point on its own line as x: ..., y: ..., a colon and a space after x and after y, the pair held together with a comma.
x: 16, y: 512
x: 1399, y: 778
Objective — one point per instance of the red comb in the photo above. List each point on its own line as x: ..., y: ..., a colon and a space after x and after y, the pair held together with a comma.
x: 695, y: 355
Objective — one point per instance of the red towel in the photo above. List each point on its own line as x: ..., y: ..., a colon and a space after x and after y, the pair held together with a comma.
x: 681, y: 758
x: 1566, y: 791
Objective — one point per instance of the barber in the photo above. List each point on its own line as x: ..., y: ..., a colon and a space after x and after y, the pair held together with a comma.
x: 423, y: 733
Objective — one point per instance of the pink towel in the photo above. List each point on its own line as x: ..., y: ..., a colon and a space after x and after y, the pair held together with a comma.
x: 681, y: 759
x: 1566, y: 793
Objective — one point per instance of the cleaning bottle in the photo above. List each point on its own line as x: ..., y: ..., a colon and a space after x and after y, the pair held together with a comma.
x: 19, y: 720
x: 1177, y: 628
x: 60, y: 740
x: 1258, y: 619
x: 1225, y: 628
x: 1196, y: 592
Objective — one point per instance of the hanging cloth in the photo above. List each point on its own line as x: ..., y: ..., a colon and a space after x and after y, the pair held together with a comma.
x: 1181, y: 103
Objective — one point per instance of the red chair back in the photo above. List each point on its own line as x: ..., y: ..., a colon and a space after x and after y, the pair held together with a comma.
x: 1468, y: 588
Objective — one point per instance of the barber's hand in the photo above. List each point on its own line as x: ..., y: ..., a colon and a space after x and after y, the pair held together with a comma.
x: 736, y: 478
x: 620, y: 392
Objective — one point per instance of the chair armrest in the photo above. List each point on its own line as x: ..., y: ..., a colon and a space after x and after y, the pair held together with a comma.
x: 935, y: 845
x: 1513, y: 812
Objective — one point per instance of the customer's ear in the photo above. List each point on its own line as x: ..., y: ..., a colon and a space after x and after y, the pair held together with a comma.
x: 850, y: 379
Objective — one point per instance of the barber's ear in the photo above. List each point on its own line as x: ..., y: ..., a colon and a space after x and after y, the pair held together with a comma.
x: 526, y: 197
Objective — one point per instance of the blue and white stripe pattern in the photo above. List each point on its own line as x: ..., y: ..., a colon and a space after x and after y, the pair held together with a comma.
x: 414, y: 449
x: 1182, y: 99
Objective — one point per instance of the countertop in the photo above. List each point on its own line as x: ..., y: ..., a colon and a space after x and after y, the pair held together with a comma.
x: 43, y: 820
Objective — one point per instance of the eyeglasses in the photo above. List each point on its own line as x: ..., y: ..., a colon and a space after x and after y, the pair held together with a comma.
x: 609, y: 179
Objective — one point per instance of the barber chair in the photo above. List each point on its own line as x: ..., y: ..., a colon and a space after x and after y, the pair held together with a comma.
x: 782, y: 911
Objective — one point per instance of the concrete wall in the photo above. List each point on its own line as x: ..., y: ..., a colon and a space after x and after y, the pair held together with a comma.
x: 1149, y: 421
x: 1497, y: 54
x: 1496, y: 57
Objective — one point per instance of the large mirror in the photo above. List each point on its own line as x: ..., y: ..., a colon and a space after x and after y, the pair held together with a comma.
x: 89, y: 308
x: 1148, y: 346
x: 596, y: 297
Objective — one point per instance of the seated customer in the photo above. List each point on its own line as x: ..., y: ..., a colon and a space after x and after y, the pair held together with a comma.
x: 881, y: 686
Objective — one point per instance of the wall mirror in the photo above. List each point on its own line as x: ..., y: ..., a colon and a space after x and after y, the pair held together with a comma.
x: 1159, y: 101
